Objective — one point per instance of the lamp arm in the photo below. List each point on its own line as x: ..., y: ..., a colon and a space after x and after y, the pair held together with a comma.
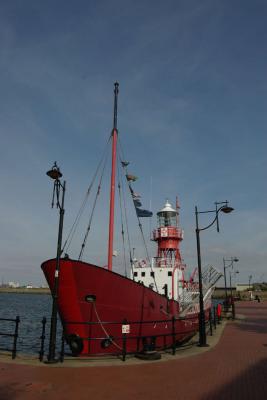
x: 57, y: 191
x: 215, y: 219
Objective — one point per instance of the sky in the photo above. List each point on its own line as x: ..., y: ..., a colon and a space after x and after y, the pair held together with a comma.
x: 191, y: 119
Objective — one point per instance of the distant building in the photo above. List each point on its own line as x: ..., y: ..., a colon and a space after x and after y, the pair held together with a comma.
x: 240, y: 287
x: 13, y: 285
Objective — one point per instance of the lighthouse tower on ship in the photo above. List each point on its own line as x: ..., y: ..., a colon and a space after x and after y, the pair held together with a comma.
x: 165, y: 272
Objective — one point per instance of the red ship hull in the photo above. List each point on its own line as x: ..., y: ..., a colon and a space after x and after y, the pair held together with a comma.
x: 112, y: 300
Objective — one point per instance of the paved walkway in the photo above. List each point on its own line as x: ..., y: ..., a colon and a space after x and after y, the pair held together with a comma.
x: 236, y: 368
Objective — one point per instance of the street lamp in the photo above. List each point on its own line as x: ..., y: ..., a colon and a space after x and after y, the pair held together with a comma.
x: 249, y: 281
x: 230, y: 274
x: 58, y: 195
x: 232, y: 260
x: 225, y: 208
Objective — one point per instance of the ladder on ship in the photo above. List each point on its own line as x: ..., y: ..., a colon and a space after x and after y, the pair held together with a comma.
x: 190, y: 298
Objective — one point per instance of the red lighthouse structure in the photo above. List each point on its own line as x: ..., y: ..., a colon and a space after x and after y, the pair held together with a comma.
x: 168, y: 237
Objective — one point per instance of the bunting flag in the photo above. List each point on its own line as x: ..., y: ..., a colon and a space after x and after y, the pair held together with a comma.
x: 132, y: 178
x: 131, y: 189
x: 136, y: 199
x: 143, y: 213
x: 134, y: 194
x: 137, y: 202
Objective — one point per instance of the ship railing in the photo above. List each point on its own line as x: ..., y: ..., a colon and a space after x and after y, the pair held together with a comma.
x: 128, y: 333
x: 190, y: 298
x: 170, y: 232
x: 210, y: 276
x: 162, y: 262
x: 5, y: 325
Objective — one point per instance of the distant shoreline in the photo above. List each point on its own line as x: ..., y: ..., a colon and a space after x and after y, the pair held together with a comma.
x: 25, y: 290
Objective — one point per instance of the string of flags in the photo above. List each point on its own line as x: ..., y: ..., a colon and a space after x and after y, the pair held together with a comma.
x: 141, y: 213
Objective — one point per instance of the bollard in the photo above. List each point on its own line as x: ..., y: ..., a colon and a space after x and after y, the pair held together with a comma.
x: 14, y: 350
x: 219, y: 312
x: 42, y: 337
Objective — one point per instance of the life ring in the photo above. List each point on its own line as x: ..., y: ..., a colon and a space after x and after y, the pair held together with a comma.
x: 76, y: 344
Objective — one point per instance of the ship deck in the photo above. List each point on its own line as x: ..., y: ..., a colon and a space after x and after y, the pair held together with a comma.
x: 234, y: 366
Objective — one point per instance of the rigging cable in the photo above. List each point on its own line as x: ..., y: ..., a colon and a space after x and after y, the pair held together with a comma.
x: 81, y: 210
x: 126, y: 221
x: 143, y: 237
x: 142, y: 233
x: 92, y: 212
x: 122, y: 226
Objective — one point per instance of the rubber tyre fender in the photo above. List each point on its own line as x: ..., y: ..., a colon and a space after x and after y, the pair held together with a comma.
x: 76, y: 344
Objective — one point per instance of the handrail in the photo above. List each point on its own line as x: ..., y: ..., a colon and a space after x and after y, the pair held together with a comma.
x: 14, y: 335
x: 129, y: 322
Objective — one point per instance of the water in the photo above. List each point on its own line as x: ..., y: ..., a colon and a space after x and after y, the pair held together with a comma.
x: 31, y: 308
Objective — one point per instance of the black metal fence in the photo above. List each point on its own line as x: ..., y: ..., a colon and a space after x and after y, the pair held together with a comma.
x: 5, y: 325
x: 169, y: 340
x: 143, y: 343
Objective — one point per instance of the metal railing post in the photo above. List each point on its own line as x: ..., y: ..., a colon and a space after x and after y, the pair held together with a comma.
x: 173, y: 336
x: 42, y: 337
x: 62, y: 350
x: 124, y: 339
x: 214, y: 317
x: 14, y: 350
x: 210, y: 321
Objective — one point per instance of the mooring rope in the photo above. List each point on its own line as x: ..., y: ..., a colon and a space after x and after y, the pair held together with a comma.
x: 104, y: 330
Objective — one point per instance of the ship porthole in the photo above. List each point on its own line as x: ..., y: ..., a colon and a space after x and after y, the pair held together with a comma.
x: 90, y: 298
x: 76, y: 344
x: 105, y: 343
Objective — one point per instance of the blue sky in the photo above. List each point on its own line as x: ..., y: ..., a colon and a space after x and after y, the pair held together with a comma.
x: 192, y: 120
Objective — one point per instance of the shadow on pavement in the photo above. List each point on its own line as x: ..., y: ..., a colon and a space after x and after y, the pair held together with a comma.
x: 7, y: 393
x: 251, y: 385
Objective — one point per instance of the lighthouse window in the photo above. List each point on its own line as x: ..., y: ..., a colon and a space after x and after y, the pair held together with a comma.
x: 135, y: 274
x: 152, y: 273
x: 143, y: 274
x: 169, y: 273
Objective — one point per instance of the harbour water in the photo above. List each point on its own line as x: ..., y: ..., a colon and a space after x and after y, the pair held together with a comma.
x: 31, y: 308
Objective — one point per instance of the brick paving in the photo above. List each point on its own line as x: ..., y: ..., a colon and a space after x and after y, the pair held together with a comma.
x: 236, y: 368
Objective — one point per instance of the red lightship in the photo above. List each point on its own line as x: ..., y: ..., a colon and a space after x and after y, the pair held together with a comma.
x: 155, y: 306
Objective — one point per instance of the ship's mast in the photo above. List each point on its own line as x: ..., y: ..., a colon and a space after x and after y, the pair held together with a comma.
x: 113, y: 177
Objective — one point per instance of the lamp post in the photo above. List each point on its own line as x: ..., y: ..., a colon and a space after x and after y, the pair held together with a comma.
x: 231, y: 273
x: 58, y: 195
x: 232, y: 260
x: 249, y: 281
x: 224, y: 207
